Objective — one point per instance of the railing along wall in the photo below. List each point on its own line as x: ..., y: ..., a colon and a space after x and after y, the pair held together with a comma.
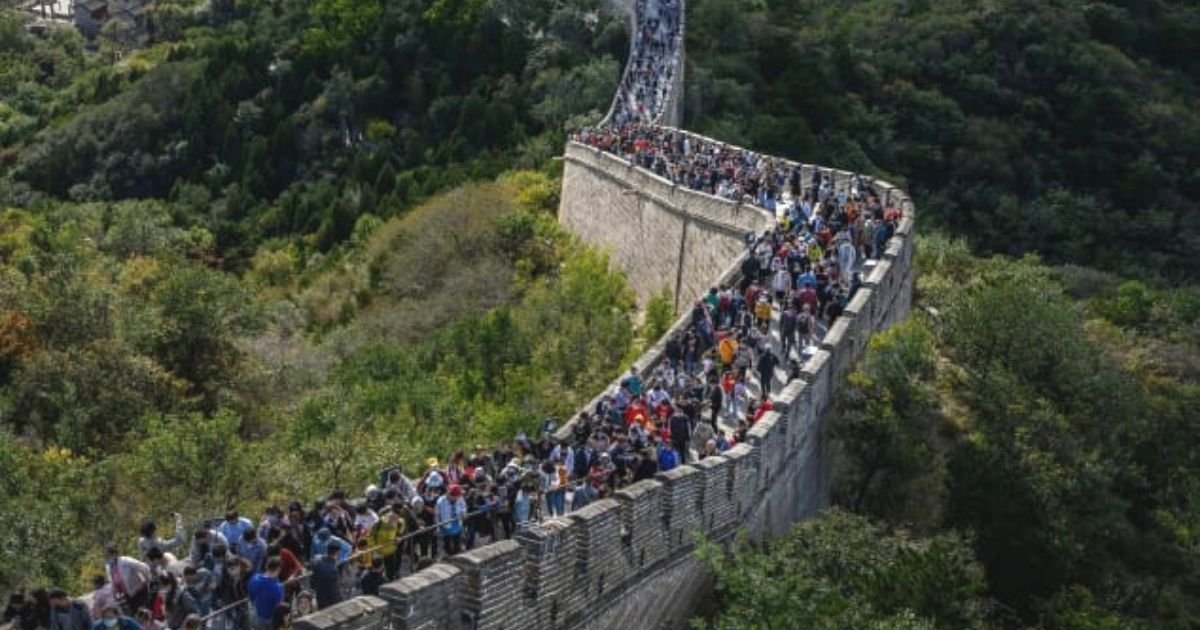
x: 626, y: 560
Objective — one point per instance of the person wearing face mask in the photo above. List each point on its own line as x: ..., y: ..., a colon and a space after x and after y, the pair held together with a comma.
x: 112, y: 619
x: 273, y: 520
x: 232, y: 527
x: 253, y: 549
x: 159, y: 562
x: 296, y: 535
x: 68, y: 614
x: 216, y: 561
x: 197, y: 590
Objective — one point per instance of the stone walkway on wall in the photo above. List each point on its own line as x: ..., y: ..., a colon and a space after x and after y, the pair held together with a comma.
x: 628, y: 560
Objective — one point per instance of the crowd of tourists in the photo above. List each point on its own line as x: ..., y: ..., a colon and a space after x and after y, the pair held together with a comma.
x: 721, y: 170
x: 653, y: 63
x: 714, y: 382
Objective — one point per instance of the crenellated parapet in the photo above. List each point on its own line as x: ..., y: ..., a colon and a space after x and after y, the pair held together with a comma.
x: 629, y: 560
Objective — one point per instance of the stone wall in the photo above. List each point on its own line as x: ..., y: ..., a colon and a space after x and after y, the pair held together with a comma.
x: 628, y: 561
x: 665, y: 237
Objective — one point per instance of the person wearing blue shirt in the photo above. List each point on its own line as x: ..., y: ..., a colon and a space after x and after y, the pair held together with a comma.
x: 253, y: 549
x: 667, y: 457
x: 521, y: 507
x: 112, y: 619
x: 325, y: 539
x: 265, y: 592
x: 232, y: 527
x: 450, y: 510
x: 808, y: 278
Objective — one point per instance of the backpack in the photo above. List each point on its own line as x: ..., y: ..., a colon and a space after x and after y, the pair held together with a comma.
x: 787, y: 322
x: 804, y: 324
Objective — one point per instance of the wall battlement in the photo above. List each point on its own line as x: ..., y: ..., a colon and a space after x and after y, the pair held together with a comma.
x: 628, y: 561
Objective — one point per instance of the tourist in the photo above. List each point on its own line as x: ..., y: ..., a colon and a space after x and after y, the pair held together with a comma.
x: 130, y: 579
x: 110, y: 618
x: 265, y: 592
x: 451, y: 508
x: 67, y: 613
x: 149, y: 537
x: 326, y: 576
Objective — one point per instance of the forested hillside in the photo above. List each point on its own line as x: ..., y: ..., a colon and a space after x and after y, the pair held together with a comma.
x: 1036, y: 425
x: 286, y: 243
x: 281, y: 247
x: 1021, y: 453
x: 1066, y: 128
x: 273, y: 120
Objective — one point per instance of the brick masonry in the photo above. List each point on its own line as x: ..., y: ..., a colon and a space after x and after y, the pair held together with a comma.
x: 629, y: 561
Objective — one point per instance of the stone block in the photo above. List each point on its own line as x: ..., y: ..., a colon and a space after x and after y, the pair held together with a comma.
x: 717, y: 508
x: 862, y: 305
x: 680, y: 507
x: 744, y: 483
x: 427, y: 599
x: 552, y: 572
x: 836, y: 342
x: 816, y: 373
x: 599, y: 549
x: 492, y: 593
x: 762, y: 437
x: 642, y: 523
x: 361, y: 613
x: 795, y: 397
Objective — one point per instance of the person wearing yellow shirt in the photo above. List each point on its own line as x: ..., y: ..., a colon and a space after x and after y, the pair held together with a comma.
x: 383, y: 537
x: 727, y: 350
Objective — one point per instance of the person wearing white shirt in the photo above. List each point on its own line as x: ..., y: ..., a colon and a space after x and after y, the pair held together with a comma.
x: 130, y: 578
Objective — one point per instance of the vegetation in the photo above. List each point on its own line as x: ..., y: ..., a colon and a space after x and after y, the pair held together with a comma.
x: 1043, y: 414
x: 1053, y: 126
x: 289, y: 120
x: 284, y: 243
x: 1038, y: 406
x: 842, y: 571
x: 231, y: 272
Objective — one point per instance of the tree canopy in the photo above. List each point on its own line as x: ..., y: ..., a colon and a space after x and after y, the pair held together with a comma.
x: 1054, y: 127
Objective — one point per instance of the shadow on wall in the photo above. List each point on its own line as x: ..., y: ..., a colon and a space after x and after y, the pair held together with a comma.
x: 624, y: 559
x: 628, y: 560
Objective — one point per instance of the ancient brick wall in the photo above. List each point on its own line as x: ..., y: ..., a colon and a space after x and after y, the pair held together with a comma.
x: 629, y: 561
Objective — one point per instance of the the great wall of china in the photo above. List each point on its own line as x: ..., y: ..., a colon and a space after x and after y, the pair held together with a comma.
x: 629, y: 561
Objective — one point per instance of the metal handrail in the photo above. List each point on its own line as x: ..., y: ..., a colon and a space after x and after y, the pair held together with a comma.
x: 342, y: 563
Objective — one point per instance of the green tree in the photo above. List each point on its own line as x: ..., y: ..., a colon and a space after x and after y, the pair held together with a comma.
x: 194, y: 464
x: 839, y: 570
x: 660, y: 314
x: 202, y: 314
x: 887, y: 420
